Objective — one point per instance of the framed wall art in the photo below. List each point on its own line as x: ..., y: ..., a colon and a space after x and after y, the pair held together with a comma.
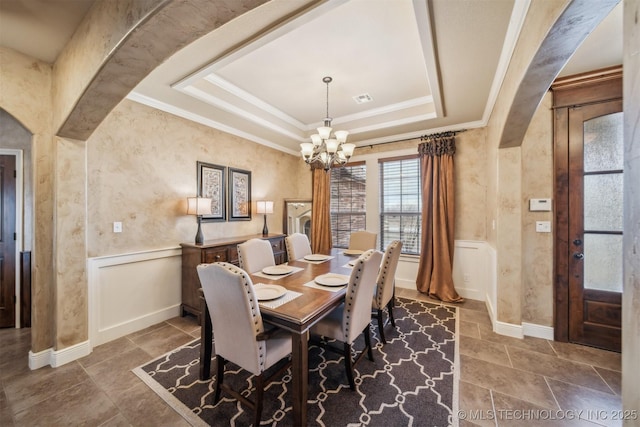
x: 211, y: 184
x: 239, y: 195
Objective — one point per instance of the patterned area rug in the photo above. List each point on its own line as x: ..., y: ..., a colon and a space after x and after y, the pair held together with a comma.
x: 412, y: 381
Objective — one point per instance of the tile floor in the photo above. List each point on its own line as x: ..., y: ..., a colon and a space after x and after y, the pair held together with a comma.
x: 503, y: 381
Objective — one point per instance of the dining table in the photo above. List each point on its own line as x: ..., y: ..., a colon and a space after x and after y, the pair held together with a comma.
x: 310, y: 304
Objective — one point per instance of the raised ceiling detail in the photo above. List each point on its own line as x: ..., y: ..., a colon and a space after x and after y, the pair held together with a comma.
x: 428, y: 65
x: 267, y: 86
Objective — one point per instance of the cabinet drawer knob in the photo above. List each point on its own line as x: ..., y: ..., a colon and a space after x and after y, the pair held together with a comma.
x: 217, y: 256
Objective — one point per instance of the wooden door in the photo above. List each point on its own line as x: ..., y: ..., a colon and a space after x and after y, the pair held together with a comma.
x: 595, y: 224
x: 588, y: 208
x: 7, y: 241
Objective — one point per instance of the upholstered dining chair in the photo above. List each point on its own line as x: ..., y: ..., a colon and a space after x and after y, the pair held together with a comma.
x: 362, y: 240
x: 254, y: 255
x: 298, y: 246
x: 238, y: 331
x: 353, y: 317
x: 385, y: 286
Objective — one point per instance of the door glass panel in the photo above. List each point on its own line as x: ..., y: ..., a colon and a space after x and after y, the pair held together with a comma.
x: 603, y: 202
x: 603, y: 148
x: 603, y: 262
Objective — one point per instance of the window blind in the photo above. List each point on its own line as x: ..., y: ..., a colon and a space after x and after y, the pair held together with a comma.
x: 400, y: 203
x: 348, y: 202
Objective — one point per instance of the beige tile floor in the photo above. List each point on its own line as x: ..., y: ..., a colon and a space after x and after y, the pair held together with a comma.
x: 503, y: 381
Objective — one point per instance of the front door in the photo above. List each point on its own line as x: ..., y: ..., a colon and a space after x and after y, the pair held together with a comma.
x: 595, y: 224
x: 7, y: 241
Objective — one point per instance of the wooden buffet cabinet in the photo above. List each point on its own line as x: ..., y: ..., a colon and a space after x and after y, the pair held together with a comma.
x: 219, y: 250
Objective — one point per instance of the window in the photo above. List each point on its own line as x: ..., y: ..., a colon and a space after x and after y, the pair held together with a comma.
x: 348, y: 202
x: 400, y: 203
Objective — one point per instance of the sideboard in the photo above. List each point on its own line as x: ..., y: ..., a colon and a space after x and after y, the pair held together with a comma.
x: 219, y: 250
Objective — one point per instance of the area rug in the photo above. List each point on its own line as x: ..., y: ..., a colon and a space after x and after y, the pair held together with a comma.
x: 413, y: 379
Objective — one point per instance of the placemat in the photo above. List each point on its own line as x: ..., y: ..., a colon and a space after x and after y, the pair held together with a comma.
x: 290, y: 295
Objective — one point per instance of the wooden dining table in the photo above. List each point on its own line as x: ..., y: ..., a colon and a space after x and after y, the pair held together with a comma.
x: 296, y: 316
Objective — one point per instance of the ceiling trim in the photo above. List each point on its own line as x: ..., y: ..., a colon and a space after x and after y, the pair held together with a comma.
x: 253, y: 100
x: 423, y: 14
x: 518, y: 15
x: 180, y: 112
x: 226, y: 106
x: 260, y: 40
x: 391, y: 108
x: 383, y: 125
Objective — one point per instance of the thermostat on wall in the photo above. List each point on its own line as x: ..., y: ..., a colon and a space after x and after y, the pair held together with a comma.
x: 539, y: 204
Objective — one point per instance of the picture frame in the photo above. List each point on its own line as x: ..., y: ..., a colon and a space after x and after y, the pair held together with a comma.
x: 212, y: 184
x: 239, y: 195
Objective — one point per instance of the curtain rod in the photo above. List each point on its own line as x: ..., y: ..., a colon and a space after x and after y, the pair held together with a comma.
x: 442, y: 134
x: 422, y: 137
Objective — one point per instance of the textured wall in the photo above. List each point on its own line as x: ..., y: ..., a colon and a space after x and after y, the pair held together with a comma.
x: 509, y: 237
x: 25, y: 93
x: 504, y: 171
x: 537, y: 248
x: 71, y: 314
x: 631, y: 300
x: 105, y: 25
x: 471, y: 185
x: 142, y: 167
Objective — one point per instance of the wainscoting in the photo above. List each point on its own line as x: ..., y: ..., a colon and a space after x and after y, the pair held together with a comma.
x: 471, y: 270
x: 130, y: 292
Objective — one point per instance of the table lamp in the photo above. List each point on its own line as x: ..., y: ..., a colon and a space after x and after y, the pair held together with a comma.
x: 198, y: 206
x: 264, y: 207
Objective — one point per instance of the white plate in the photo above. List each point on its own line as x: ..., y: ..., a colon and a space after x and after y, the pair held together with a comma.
x: 277, y: 270
x: 331, y: 279
x: 316, y: 257
x: 353, y: 252
x: 269, y: 292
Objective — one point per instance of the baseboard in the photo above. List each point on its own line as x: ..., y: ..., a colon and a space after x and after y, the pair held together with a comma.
x: 56, y: 358
x: 524, y: 330
x: 508, y: 329
x: 40, y: 359
x: 114, y: 332
x: 492, y: 314
x: 537, y: 331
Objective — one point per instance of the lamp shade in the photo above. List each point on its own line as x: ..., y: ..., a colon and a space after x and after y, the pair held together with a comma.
x: 198, y: 206
x: 264, y: 207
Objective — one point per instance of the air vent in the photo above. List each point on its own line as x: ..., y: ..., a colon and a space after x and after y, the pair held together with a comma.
x: 361, y: 99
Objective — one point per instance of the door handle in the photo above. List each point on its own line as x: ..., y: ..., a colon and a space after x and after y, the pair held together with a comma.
x: 577, y: 242
x: 578, y: 255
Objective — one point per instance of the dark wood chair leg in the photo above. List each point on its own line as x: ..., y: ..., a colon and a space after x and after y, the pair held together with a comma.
x: 367, y: 341
x: 219, y: 378
x: 390, y: 309
x: 206, y: 341
x: 259, y: 398
x: 381, y: 327
x: 348, y: 364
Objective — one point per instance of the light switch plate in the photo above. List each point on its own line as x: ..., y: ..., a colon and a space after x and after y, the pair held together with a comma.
x: 540, y: 205
x: 117, y: 227
x: 543, y: 226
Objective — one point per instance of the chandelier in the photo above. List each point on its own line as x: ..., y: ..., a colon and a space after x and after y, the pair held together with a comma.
x: 331, y: 150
